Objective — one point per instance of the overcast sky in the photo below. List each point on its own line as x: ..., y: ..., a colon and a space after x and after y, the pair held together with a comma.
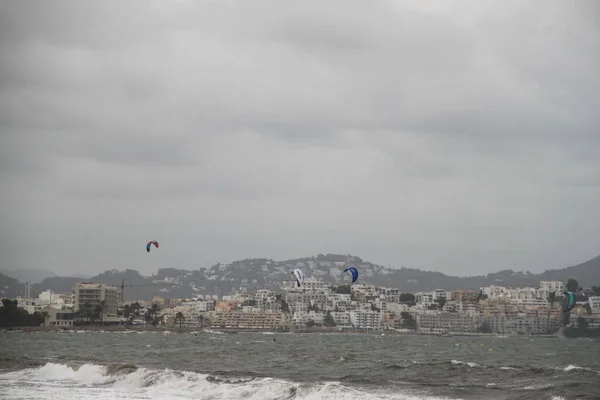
x: 461, y: 137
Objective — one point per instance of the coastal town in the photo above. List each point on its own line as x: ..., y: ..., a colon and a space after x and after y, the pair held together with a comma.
x: 317, y: 306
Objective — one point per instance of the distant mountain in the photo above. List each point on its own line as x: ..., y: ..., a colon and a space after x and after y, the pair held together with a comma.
x: 57, y: 284
x: 10, y: 287
x: 254, y: 274
x: 80, y: 276
x: 29, y: 275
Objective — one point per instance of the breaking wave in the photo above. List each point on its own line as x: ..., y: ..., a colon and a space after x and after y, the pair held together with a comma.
x: 117, y: 380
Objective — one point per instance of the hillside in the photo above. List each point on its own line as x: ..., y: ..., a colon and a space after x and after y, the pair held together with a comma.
x: 28, y: 275
x: 254, y: 274
x: 10, y: 287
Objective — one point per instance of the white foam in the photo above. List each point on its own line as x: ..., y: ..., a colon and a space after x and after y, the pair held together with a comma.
x: 575, y: 367
x: 89, y: 381
x: 469, y: 364
x: 87, y: 374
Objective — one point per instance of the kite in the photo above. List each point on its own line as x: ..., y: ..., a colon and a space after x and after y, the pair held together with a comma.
x: 571, y: 300
x: 154, y: 242
x: 354, y: 272
x: 299, y: 275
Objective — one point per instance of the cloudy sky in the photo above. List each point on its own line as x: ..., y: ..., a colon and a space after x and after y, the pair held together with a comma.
x: 461, y: 137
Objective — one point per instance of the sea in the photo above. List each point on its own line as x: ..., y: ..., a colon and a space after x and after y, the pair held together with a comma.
x: 300, y: 366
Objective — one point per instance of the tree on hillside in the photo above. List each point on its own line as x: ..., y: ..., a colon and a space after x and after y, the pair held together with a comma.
x: 152, y: 315
x: 572, y: 285
x: 408, y: 321
x: 441, y: 302
x: 407, y: 298
x: 596, y: 290
x: 329, y: 321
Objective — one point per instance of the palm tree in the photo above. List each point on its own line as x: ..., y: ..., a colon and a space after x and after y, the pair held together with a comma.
x: 97, y: 313
x: 134, y: 311
x: 179, y: 318
x: 103, y: 307
x: 153, y: 312
x: 120, y: 315
x: 87, y: 311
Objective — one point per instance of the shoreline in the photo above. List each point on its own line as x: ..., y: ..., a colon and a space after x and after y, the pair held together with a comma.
x: 207, y: 330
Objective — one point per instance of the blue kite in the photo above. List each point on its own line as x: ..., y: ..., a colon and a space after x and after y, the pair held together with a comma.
x: 354, y: 272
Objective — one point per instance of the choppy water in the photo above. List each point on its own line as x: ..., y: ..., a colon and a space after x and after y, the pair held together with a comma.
x: 296, y: 366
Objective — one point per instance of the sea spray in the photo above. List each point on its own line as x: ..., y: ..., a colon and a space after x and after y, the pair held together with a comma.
x: 134, y: 382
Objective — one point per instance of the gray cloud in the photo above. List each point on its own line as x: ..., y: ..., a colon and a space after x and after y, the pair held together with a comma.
x: 459, y: 137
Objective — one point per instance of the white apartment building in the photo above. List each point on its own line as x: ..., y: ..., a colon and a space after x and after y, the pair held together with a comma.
x: 397, y: 308
x: 594, y: 302
x: 301, y: 318
x: 94, y: 294
x: 522, y: 325
x: 267, y: 300
x: 199, y: 305
x: 368, y: 320
x: 381, y: 304
x: 437, y: 293
x: 342, y: 319
x: 515, y: 294
x: 28, y: 304
x: 55, y: 300
x: 234, y: 319
x: 339, y: 302
x: 439, y: 322
x: 390, y: 294
x: 361, y: 290
x: 424, y: 299
x: 531, y: 303
x: 314, y: 284
x: 552, y: 286
x: 191, y: 314
x: 302, y: 301
x: 310, y: 284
